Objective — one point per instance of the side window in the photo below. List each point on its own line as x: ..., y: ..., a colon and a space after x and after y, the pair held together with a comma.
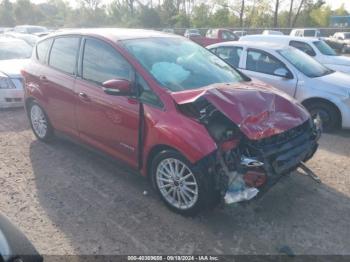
x: 262, y: 62
x: 101, y: 62
x: 306, y: 48
x: 63, y: 54
x: 41, y: 50
x: 147, y: 95
x: 231, y: 55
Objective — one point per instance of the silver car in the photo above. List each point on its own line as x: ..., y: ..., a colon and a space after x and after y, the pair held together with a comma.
x: 14, y: 53
x: 321, y: 90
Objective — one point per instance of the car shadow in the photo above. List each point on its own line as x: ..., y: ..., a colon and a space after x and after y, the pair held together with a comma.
x: 104, y: 209
x: 12, y: 120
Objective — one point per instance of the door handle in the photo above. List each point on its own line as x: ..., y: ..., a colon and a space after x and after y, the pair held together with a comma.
x: 83, y: 96
x: 43, y: 78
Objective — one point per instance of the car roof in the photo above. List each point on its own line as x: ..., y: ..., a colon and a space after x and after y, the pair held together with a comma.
x: 258, y: 45
x: 6, y: 39
x: 113, y: 34
x: 281, y: 38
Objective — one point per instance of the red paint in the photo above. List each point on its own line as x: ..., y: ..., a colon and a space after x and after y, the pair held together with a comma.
x: 217, y: 38
x: 111, y: 123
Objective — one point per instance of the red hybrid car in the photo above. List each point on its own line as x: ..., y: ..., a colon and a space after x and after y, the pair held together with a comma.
x: 199, y: 129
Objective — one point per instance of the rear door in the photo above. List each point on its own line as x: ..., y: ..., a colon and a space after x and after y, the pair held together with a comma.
x: 58, y: 80
x: 265, y: 67
x: 110, y: 123
x: 231, y: 54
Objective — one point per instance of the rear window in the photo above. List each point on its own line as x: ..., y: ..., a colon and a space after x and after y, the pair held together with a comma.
x: 63, y: 54
x: 42, y: 49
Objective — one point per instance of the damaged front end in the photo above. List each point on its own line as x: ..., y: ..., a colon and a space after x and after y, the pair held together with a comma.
x: 246, y: 163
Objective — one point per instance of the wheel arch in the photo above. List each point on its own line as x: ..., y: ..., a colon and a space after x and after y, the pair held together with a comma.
x: 27, y: 102
x: 153, y: 153
x: 311, y: 100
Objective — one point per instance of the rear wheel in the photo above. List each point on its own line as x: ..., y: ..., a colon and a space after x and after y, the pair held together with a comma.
x: 343, y: 49
x: 40, y: 122
x: 328, y: 114
x: 181, y: 187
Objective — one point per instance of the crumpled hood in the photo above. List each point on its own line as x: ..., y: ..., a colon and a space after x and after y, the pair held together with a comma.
x: 12, y: 67
x: 256, y: 109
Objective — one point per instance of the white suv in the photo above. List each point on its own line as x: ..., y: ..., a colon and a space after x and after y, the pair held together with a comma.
x: 305, y: 32
x: 314, y: 47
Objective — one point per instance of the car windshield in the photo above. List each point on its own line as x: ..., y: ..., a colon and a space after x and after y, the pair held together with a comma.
x: 324, y: 48
x: 304, y: 63
x: 7, y: 50
x: 180, y: 65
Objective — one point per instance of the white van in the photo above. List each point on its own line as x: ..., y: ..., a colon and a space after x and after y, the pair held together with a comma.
x: 305, y: 32
x: 314, y: 47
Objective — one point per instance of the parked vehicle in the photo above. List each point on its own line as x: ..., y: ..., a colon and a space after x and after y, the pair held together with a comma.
x: 14, y: 245
x: 322, y: 91
x: 272, y: 32
x: 342, y: 39
x: 240, y: 33
x: 314, y: 47
x: 305, y: 32
x: 170, y: 109
x: 192, y: 33
x: 215, y: 36
x: 12, y: 61
x: 31, y: 29
x: 28, y: 38
x: 5, y: 29
x: 168, y: 30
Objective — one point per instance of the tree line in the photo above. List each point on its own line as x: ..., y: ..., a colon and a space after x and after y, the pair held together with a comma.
x: 169, y: 13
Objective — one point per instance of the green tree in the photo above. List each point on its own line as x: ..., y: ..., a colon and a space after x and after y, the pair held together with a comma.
x: 320, y: 16
x: 6, y: 14
x: 201, y: 15
x: 149, y: 18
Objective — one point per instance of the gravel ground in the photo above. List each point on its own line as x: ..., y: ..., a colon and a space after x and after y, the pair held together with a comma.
x: 68, y: 200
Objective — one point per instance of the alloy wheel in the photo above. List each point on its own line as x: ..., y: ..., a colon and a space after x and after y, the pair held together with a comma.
x: 39, y: 121
x: 177, y: 184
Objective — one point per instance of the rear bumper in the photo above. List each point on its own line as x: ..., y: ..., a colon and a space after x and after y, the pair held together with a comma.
x: 11, y: 98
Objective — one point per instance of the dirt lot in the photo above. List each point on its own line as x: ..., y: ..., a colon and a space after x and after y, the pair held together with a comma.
x: 68, y: 200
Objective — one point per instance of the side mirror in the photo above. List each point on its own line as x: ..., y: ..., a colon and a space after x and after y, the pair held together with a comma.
x: 282, y: 72
x: 118, y: 87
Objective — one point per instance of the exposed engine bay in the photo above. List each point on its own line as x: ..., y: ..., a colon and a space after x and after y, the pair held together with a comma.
x: 243, y: 167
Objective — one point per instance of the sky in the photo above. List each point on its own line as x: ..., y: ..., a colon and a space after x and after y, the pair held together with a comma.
x: 333, y: 3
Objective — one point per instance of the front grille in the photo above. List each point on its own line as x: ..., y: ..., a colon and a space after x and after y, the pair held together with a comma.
x: 283, y: 152
x: 11, y: 100
x: 284, y: 137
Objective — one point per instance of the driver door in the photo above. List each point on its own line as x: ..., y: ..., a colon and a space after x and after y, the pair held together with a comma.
x: 267, y: 68
x: 107, y: 122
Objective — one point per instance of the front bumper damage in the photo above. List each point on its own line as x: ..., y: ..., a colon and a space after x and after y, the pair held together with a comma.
x: 265, y: 160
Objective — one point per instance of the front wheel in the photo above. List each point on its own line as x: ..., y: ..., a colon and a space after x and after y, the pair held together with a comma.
x: 181, y: 187
x: 40, y: 122
x: 328, y: 114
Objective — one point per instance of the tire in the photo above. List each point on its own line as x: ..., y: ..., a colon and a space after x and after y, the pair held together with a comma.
x: 328, y: 114
x: 343, y: 49
x: 39, y: 122
x: 196, y: 192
